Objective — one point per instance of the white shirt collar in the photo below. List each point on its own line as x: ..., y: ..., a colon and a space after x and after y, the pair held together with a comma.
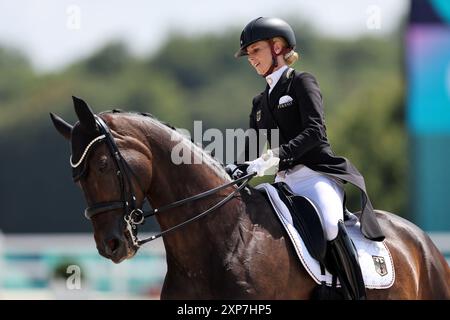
x: 273, y: 78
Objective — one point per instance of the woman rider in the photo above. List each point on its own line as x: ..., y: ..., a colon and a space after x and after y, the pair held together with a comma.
x: 292, y: 103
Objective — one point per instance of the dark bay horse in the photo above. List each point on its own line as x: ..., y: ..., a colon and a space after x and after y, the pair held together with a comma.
x: 240, y: 250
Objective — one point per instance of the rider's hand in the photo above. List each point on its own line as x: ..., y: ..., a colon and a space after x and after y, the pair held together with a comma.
x: 235, y: 171
x: 263, y: 164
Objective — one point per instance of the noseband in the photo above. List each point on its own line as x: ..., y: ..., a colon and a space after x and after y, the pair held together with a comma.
x: 133, y: 215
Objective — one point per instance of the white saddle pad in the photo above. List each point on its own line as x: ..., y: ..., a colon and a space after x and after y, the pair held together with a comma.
x: 374, y: 257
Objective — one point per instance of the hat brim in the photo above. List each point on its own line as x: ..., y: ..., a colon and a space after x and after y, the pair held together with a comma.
x: 241, y: 52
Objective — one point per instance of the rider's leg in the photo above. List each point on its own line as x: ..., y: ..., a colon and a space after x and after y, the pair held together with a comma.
x: 325, y: 192
x: 343, y: 257
x: 328, y: 194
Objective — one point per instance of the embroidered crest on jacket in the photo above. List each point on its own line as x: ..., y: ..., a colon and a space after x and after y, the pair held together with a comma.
x: 258, y: 115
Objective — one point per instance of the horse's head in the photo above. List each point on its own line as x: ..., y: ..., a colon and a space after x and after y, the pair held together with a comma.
x: 113, y: 168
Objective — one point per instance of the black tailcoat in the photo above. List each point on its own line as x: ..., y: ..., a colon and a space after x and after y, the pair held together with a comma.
x: 303, y: 138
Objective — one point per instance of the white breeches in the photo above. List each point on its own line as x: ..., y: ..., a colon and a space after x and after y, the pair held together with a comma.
x: 325, y: 192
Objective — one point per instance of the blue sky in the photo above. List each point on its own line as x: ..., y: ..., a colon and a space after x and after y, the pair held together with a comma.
x: 55, y: 32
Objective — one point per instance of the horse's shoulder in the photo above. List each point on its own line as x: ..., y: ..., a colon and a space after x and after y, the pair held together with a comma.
x: 255, y: 200
x: 260, y: 211
x: 253, y: 197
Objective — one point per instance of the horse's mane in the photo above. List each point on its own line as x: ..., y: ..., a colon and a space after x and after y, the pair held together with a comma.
x: 211, y: 160
x: 145, y: 114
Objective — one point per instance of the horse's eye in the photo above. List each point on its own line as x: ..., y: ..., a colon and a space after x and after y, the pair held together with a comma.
x: 103, y: 164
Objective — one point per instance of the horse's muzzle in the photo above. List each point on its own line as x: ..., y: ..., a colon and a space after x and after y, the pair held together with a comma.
x: 114, y: 249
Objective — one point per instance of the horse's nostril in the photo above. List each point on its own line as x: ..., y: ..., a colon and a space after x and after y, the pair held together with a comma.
x: 113, y: 244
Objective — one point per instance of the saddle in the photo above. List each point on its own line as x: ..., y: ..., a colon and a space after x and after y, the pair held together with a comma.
x: 327, y: 262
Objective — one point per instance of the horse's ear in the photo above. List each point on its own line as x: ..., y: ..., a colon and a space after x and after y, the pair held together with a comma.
x: 63, y: 127
x: 85, y: 114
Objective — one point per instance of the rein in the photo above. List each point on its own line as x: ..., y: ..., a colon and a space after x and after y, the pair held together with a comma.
x: 133, y: 215
x: 246, y: 180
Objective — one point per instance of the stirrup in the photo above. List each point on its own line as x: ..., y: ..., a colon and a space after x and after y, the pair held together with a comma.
x: 344, y: 263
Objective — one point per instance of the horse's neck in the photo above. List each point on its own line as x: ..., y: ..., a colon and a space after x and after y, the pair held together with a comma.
x: 172, y: 182
x: 191, y: 245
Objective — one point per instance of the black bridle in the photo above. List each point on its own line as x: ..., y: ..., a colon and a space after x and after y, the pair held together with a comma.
x: 133, y: 215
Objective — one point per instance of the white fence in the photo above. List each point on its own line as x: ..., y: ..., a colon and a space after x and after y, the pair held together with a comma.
x: 35, y: 266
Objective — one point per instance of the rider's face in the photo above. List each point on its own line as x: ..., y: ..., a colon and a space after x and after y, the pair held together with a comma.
x: 259, y: 56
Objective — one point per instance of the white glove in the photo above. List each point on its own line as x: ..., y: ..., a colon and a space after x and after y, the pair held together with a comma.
x: 264, y: 163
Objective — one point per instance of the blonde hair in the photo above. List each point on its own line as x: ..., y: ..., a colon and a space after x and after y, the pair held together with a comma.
x: 292, y: 56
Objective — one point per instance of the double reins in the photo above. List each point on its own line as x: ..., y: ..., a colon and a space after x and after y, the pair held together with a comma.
x: 147, y: 214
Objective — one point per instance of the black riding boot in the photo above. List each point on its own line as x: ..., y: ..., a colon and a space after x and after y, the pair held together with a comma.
x: 344, y: 262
